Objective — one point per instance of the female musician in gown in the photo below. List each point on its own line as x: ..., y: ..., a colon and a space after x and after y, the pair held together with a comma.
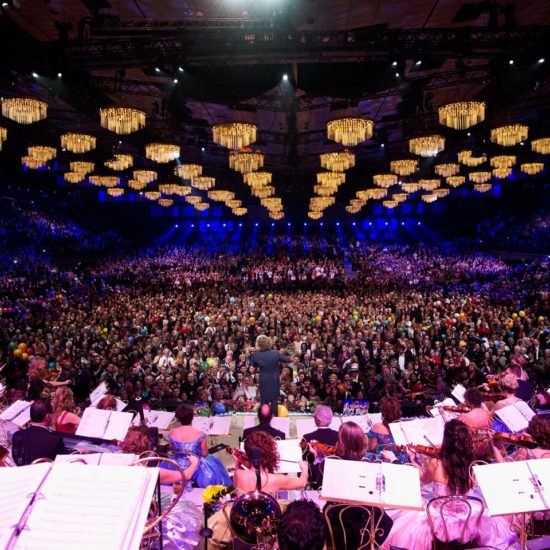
x: 479, y: 420
x: 65, y: 420
x: 380, y: 437
x: 449, y: 474
x: 539, y: 430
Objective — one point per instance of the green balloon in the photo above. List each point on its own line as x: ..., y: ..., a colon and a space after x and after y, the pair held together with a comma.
x: 12, y: 346
x: 204, y: 411
x: 203, y: 367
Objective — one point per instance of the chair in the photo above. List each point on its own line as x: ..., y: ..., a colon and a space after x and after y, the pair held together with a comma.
x: 454, y: 521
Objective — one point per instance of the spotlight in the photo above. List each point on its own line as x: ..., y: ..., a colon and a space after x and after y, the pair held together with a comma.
x: 354, y: 224
x: 305, y: 224
x: 522, y: 143
x: 322, y: 224
x: 177, y: 226
x: 402, y: 223
x: 192, y: 226
x: 224, y: 225
x: 207, y: 225
x: 35, y: 75
x: 511, y: 62
x: 542, y: 60
x: 272, y: 224
x: 240, y: 225
x: 285, y: 77
x: 180, y: 69
x: 394, y: 64
x: 59, y: 75
x: 419, y: 223
x: 256, y: 224
x: 203, y: 149
x: 382, y: 145
x: 370, y: 224
x: 288, y: 224
x: 396, y: 75
x: 157, y: 70
x: 418, y: 63
x: 387, y: 223
x: 469, y: 134
x: 338, y: 224
x: 175, y: 80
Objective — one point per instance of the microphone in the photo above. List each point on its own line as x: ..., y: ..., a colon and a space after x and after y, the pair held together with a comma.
x: 256, y: 459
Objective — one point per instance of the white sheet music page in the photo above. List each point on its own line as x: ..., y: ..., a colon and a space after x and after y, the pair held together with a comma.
x: 365, y: 421
x: 119, y: 423
x: 424, y: 431
x: 541, y: 469
x: 290, y: 454
x: 155, y: 419
x: 18, y: 413
x: 516, y: 416
x: 98, y: 393
x: 104, y: 424
x: 447, y: 402
x: 458, y: 392
x: 16, y: 487
x: 117, y: 459
x: 92, y: 458
x: 87, y: 507
x: 213, y: 425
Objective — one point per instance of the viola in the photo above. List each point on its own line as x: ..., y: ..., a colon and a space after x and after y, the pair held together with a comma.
x: 524, y: 440
x: 319, y: 447
x: 451, y: 408
x: 420, y: 449
x: 493, y: 396
x: 240, y: 457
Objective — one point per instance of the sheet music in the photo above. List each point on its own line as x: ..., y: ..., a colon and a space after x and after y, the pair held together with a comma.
x: 290, y: 454
x: 307, y: 425
x: 98, y: 459
x: 366, y: 421
x: 19, y: 413
x: 155, y: 419
x: 213, y: 425
x: 91, y: 459
x: 447, y: 402
x: 98, y: 393
x: 104, y: 424
x: 356, y: 482
x: 420, y: 431
x: 458, y: 393
x: 516, y: 416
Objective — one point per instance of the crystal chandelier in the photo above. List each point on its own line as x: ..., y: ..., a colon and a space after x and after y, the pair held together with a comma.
x: 315, y: 215
x: 193, y: 199
x: 541, y: 145
x: 233, y: 203
x: 42, y: 153
x: 234, y: 135
x: 440, y: 193
x: 455, y: 181
x: 3, y: 136
x: 378, y: 194
x: 350, y: 209
x: 427, y: 146
x: 162, y: 152
x: 503, y: 161
x: 350, y: 130
x: 276, y: 215
x: 188, y: 171
x: 532, y: 168
x: 429, y: 184
x: 145, y: 176
x: 400, y: 197
x: 320, y: 203
x: 115, y: 192
x: 363, y: 195
x: 502, y: 173
x: 482, y: 187
x: 510, y: 135
x: 182, y: 190
x: 122, y: 120
x: 136, y: 185
x: 104, y: 181
x: 466, y: 158
x: 357, y: 203
x: 325, y: 190
x: 24, y: 110
x: 462, y: 115
x: 220, y: 195
x: 73, y: 177
x: 390, y: 203
x: 239, y: 211
x: 119, y: 162
x: 384, y: 180
x: 272, y: 203
x: 404, y: 167
x: 338, y: 161
x: 263, y: 192
x: 32, y: 163
x: 479, y: 177
x: 169, y: 188
x: 429, y: 198
x: 411, y: 187
x: 447, y: 170
x: 201, y: 206
x: 331, y: 178
x: 82, y: 167
x: 245, y: 161
x: 152, y: 195
x: 203, y: 182
x: 165, y: 203
x: 257, y: 178
x: 78, y: 143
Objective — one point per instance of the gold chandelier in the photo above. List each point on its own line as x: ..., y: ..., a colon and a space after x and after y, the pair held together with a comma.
x: 41, y: 152
x: 482, y: 187
x: 427, y: 146
x: 320, y: 203
x: 24, y: 110
x: 325, y: 190
x: 447, y: 170
x: 122, y: 120
x: 502, y: 173
x: 316, y: 215
x: 245, y: 161
x: 203, y: 182
x: 350, y: 130
x: 276, y: 215
x: 429, y: 198
x: 357, y: 203
x: 411, y: 187
x: 82, y: 167
x: 404, y: 167
x: 145, y: 176
x: 169, y: 188
x: 384, y: 180
x: 115, y: 192
x: 263, y: 192
x: 400, y: 197
x: 78, y: 143
x: 510, y: 135
x: 32, y: 163
x: 162, y: 152
x: 272, y: 203
x: 104, y: 181
x: 363, y: 194
x: 503, y: 161
x: 193, y: 199
x: 136, y: 185
x: 541, y: 145
x: 221, y: 195
x: 479, y: 177
x: 188, y: 171
x: 73, y: 177
x: 331, y: 178
x: 183, y: 190
x: 350, y: 209
x: 152, y: 195
x: 429, y: 184
x: 466, y: 158
x: 338, y: 161
x: 440, y: 193
x: 462, y: 114
x: 455, y: 181
x: 234, y: 203
x: 165, y: 203
x: 257, y: 178
x: 201, y: 206
x: 390, y: 203
x: 532, y: 168
x: 119, y: 162
x: 239, y: 211
x: 234, y: 135
x: 3, y: 136
x: 378, y: 194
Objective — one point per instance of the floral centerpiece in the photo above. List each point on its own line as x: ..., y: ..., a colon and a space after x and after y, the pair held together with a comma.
x: 215, y: 496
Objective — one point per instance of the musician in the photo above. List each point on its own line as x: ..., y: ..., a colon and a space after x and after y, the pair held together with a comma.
x: 37, y: 441
x: 479, y: 416
x: 65, y: 420
x: 107, y: 403
x: 379, y: 436
x: 265, y: 415
x: 508, y: 385
x: 539, y: 430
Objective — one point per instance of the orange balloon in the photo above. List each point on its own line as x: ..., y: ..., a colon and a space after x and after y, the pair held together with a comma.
x: 22, y: 346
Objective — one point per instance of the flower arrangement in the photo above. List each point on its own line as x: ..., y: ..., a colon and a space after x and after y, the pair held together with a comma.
x: 215, y: 496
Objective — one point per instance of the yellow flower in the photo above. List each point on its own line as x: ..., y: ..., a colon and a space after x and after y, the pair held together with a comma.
x: 211, y: 491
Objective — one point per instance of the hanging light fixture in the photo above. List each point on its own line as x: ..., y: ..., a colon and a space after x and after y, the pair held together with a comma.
x: 378, y: 194
x: 263, y: 192
x: 400, y: 197
x: 429, y: 198
x: 272, y: 203
x: 357, y: 203
x: 502, y: 173
x: 145, y: 176
x: 166, y: 203
x: 3, y: 136
x: 73, y: 177
x: 455, y: 181
x: 351, y: 209
x: 479, y: 177
x: 245, y: 161
x: 532, y: 168
x: 220, y: 195
x: 384, y: 180
x: 363, y: 195
x: 162, y: 152
x: 503, y: 161
x: 462, y: 114
x: 239, y: 211
x: 42, y: 152
x: 104, y: 181
x: 390, y: 203
x: 315, y: 215
x: 82, y: 167
x: 331, y: 178
x: 115, y: 192
x: 320, y: 203
x: 201, y: 206
x: 427, y: 146
x: 440, y: 193
x: 137, y: 185
x: 203, y: 182
x: 350, y: 130
x: 188, y: 171
x: 182, y: 190
x: 324, y: 190
x: 404, y: 167
x: 152, y: 195
x: 338, y: 161
x: 24, y: 110
x: 233, y: 203
x: 447, y: 170
x: 541, y: 145
x: 482, y: 187
x: 466, y: 158
x: 78, y: 143
x: 510, y: 135
x: 429, y: 184
x: 32, y: 163
x: 411, y: 187
x: 234, y: 135
x: 276, y: 215
x: 122, y: 120
x: 169, y: 188
x: 193, y: 199
x: 119, y: 162
x: 257, y: 178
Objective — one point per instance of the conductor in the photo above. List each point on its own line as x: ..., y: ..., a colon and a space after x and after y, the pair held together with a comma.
x: 267, y: 360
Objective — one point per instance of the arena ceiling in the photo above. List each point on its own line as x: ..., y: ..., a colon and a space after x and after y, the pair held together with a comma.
x: 393, y: 61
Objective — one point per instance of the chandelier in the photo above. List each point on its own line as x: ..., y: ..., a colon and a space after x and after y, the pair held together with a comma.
x: 427, y: 146
x: 479, y: 177
x: 532, y: 168
x: 541, y: 145
x: 32, y: 163
x: 137, y: 185
x: 502, y: 173
x: 119, y: 162
x: 78, y: 143
x: 239, y: 211
x: 41, y: 152
x: 482, y: 187
x: 82, y: 167
x: 503, y: 161
x: 390, y: 203
x: 165, y: 203
x: 338, y: 161
x: 234, y: 135
x: 384, y: 180
x: 182, y: 190
x: 24, y: 110
x: 363, y: 195
x: 152, y: 195
x: 509, y: 135
x: 378, y: 194
x: 276, y: 215
x: 316, y: 215
x: 145, y: 176
x: 263, y: 192
x: 455, y: 181
x: 331, y: 178
x: 462, y: 115
x: 245, y: 161
x: 466, y: 158
x: 193, y: 199
x: 122, y: 120
x: 233, y: 203
x: 404, y: 167
x: 257, y: 178
x: 429, y: 198
x: 429, y: 184
x: 325, y: 190
x: 350, y: 130
x: 447, y: 170
x: 162, y: 152
x: 3, y: 136
x: 169, y: 188
x: 115, y: 192
x: 73, y: 177
x: 320, y: 203
x: 201, y: 206
x: 411, y: 187
x: 203, y: 182
x: 357, y: 203
x: 440, y: 193
x: 188, y: 171
x: 400, y: 197
x: 104, y: 181
x: 220, y: 195
x: 350, y: 209
x: 272, y: 203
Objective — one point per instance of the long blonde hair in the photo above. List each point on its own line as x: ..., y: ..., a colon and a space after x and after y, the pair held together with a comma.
x: 63, y: 401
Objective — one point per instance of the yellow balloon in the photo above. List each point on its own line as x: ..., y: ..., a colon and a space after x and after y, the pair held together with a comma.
x: 541, y: 319
x: 211, y: 361
x: 522, y: 313
x: 17, y: 353
x: 252, y: 320
x: 282, y: 410
x: 514, y: 315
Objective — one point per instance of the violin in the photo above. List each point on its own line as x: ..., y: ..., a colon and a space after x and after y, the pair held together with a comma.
x: 319, y: 447
x: 524, y: 440
x: 420, y: 449
x: 451, y: 408
x: 493, y: 396
x: 239, y: 456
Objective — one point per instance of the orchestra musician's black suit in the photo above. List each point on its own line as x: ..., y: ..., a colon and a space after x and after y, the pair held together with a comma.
x: 36, y: 442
